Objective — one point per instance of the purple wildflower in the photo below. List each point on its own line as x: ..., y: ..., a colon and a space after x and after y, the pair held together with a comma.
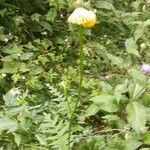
x: 146, y: 68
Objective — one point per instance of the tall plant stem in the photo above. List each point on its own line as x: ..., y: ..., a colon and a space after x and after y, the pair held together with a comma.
x: 80, y: 85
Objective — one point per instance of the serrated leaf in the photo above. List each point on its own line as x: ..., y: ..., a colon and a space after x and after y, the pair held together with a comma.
x: 92, y: 110
x: 106, y: 103
x: 131, y: 47
x: 136, y: 115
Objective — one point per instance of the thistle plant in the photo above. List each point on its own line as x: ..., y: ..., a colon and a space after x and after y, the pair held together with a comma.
x: 83, y: 18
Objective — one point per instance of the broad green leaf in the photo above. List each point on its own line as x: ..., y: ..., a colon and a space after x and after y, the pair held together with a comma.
x: 46, y: 25
x: 132, y: 47
x: 115, y: 60
x: 138, y: 77
x: 15, y: 110
x: 146, y: 137
x: 132, y: 144
x: 146, y: 99
x: 15, y: 49
x: 138, y: 33
x: 10, y: 98
x: 7, y: 124
x: 138, y: 91
x: 119, y: 90
x: 106, y: 103
x: 92, y: 110
x: 10, y: 67
x: 147, y: 23
x: 136, y: 115
x: 26, y: 56
x: 106, y: 87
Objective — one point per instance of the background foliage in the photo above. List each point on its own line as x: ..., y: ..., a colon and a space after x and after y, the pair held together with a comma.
x: 39, y: 76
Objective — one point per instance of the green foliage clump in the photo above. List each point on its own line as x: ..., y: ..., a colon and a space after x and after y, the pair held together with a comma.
x: 39, y: 76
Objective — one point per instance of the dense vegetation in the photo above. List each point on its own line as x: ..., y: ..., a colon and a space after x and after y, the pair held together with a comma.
x: 39, y: 76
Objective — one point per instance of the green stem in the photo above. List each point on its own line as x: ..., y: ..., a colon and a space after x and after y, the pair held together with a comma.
x: 80, y: 86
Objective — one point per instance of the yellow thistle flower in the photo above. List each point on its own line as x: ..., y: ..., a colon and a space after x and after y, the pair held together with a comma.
x: 82, y: 16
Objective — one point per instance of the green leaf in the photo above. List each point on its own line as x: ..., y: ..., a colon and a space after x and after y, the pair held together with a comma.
x: 10, y: 98
x: 17, y: 139
x: 115, y: 60
x: 13, y: 50
x: 10, y: 67
x: 92, y: 110
x: 146, y: 137
x: 138, y: 91
x: 138, y: 33
x: 132, y: 47
x: 42, y: 139
x: 36, y: 17
x: 147, y: 23
x: 46, y: 25
x: 138, y: 77
x: 12, y: 111
x: 7, y: 124
x: 136, y: 115
x: 146, y: 99
x: 106, y: 103
x: 106, y: 87
x: 26, y: 56
x: 132, y: 144
x: 104, y: 5
x: 51, y: 15
x: 119, y: 90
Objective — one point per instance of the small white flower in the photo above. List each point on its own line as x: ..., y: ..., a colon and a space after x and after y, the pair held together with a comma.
x: 15, y: 92
x: 61, y: 15
x: 3, y: 75
x: 6, y: 40
x: 23, y: 77
x: 66, y: 40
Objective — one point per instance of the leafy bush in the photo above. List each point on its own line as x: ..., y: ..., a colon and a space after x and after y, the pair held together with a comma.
x: 39, y: 76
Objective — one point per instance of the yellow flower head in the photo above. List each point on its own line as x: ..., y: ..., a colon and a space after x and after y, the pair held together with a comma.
x: 84, y: 17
